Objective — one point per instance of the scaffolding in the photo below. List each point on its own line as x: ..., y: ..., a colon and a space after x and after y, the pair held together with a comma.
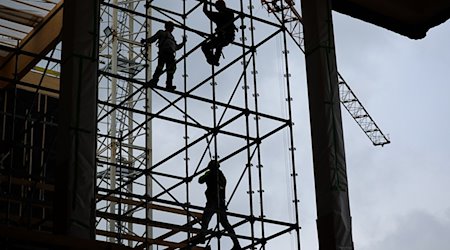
x: 28, y: 115
x: 28, y: 125
x: 153, y: 144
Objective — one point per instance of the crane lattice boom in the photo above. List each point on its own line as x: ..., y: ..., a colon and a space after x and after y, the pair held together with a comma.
x: 287, y: 14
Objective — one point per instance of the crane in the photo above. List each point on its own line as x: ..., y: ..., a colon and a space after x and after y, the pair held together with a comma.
x: 286, y: 13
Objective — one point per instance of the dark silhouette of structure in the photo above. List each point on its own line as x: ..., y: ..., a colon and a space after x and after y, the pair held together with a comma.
x: 215, y: 199
x: 166, y: 56
x: 75, y: 142
x: 224, y: 31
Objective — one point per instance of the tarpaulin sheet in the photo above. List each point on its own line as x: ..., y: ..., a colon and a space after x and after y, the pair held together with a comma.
x: 75, y: 179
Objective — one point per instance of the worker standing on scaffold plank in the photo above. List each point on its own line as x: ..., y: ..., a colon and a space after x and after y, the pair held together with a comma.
x: 225, y: 30
x: 167, y: 47
x: 215, y: 200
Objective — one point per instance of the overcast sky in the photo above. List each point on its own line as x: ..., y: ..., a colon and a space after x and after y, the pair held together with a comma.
x: 399, y: 192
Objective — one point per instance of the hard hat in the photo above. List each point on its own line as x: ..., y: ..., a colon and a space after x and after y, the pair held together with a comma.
x: 220, y: 4
x: 169, y: 24
x: 213, y: 164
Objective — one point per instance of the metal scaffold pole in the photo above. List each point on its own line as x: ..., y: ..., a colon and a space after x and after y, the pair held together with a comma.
x: 113, y: 121
x: 130, y: 126
x: 149, y: 130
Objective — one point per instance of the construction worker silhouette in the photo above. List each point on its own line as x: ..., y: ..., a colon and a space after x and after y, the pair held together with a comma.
x: 224, y: 31
x: 167, y: 46
x: 215, y: 200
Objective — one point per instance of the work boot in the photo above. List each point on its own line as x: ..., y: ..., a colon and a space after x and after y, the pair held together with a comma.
x: 215, y: 59
x: 206, y: 51
x: 153, y: 82
x: 212, y: 61
x: 201, y: 239
x: 169, y: 85
x: 209, y: 56
x: 236, y: 247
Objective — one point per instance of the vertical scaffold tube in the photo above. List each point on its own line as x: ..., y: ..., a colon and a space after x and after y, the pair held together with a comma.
x: 291, y: 145
x: 149, y: 130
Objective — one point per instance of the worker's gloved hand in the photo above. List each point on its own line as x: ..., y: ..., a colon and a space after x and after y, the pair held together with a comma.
x: 184, y: 39
x: 142, y: 41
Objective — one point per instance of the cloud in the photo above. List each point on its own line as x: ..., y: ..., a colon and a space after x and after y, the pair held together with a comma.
x: 416, y: 231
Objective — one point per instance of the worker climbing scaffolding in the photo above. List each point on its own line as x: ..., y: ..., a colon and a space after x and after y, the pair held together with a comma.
x: 225, y: 31
x: 166, y: 55
x: 215, y: 200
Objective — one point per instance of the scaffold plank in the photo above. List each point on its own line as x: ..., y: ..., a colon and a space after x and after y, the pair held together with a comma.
x: 150, y: 205
x: 55, y: 240
x: 27, y: 182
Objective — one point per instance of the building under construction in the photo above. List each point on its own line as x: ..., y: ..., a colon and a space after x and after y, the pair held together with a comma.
x: 92, y: 157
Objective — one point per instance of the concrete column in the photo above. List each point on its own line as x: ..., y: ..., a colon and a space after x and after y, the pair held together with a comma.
x: 333, y: 211
x: 76, y: 142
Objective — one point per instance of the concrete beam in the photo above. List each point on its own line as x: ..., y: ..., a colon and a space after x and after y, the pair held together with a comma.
x: 35, y: 78
x: 38, y: 42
